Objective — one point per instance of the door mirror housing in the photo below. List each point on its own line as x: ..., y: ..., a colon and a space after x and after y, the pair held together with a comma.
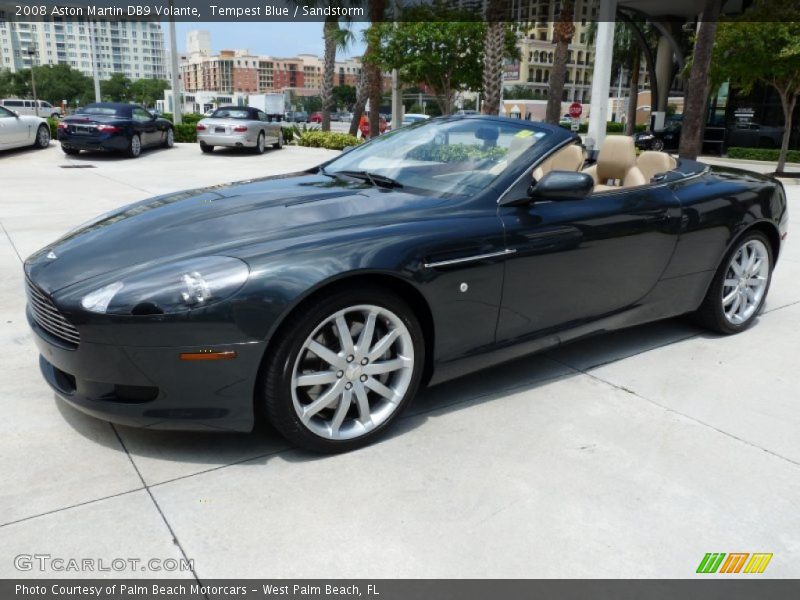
x: 562, y: 185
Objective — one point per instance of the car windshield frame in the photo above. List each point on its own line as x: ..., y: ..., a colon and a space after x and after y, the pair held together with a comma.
x: 446, y: 157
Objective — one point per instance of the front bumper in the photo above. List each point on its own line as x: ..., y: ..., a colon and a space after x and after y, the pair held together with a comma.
x: 151, y: 386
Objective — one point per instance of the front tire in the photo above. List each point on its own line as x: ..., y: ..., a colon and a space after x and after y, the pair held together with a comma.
x: 740, y: 286
x: 42, y: 137
x: 169, y: 141
x: 657, y: 145
x: 134, y: 146
x: 343, y: 369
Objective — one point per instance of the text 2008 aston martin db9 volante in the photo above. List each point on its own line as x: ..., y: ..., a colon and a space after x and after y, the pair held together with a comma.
x: 322, y: 300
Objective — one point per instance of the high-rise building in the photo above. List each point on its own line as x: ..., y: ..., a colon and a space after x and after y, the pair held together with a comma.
x: 198, y: 41
x: 134, y: 49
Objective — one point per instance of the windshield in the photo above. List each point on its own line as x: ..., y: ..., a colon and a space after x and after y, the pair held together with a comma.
x: 100, y: 110
x: 459, y: 157
x: 229, y: 113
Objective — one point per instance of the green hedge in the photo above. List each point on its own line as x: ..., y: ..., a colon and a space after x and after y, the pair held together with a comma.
x: 53, y: 127
x: 185, y: 133
x: 192, y: 118
x: 327, y: 139
x: 770, y: 154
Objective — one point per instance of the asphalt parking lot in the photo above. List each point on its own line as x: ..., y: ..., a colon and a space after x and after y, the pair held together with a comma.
x: 628, y: 455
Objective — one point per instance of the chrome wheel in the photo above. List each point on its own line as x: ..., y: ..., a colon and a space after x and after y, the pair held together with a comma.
x: 136, y: 146
x: 260, y: 144
x: 352, y: 372
x: 745, y: 282
x: 170, y: 138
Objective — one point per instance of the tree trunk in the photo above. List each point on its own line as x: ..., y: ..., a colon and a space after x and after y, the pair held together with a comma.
x: 330, y: 29
x: 633, y: 98
x: 494, y: 45
x: 377, y: 8
x: 788, y: 101
x: 562, y: 34
x: 694, y: 113
x: 361, y: 101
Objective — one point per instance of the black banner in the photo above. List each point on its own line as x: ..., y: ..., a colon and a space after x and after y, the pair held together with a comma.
x: 734, y: 588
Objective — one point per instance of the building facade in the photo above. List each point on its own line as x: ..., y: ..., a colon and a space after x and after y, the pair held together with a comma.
x: 134, y: 49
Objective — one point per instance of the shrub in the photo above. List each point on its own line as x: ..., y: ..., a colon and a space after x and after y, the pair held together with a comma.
x: 53, y: 127
x: 327, y: 139
x: 192, y: 118
x: 455, y: 152
x: 185, y: 132
x: 770, y: 154
x: 290, y: 132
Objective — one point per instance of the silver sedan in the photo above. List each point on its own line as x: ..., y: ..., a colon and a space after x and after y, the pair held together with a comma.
x: 239, y: 127
x: 17, y: 131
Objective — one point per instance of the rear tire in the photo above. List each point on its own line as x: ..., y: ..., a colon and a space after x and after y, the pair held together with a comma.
x: 369, y: 381
x: 279, y: 144
x: 740, y: 286
x: 259, y: 147
x: 657, y: 145
x: 70, y: 151
x: 206, y: 148
x: 134, y: 146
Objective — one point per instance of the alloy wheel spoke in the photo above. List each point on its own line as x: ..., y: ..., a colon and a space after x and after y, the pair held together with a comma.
x: 345, y: 338
x: 383, y: 344
x: 319, y: 378
x: 377, y: 386
x: 731, y: 282
x: 367, y: 333
x: 736, y: 302
x: 387, y: 366
x: 363, y: 405
x: 326, y: 354
x: 755, y: 281
x: 322, y: 401
x: 341, y: 411
x: 730, y: 297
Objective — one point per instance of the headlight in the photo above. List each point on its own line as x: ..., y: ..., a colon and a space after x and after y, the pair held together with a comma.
x: 170, y: 288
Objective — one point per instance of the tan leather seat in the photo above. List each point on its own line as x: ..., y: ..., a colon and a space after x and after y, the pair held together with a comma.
x: 652, y: 163
x: 569, y: 158
x: 616, y: 165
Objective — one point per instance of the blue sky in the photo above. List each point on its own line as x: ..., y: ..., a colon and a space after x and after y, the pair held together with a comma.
x: 273, y: 39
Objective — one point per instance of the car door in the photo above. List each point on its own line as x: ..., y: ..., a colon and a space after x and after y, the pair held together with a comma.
x: 13, y: 129
x: 576, y: 261
x: 269, y: 131
x: 146, y: 124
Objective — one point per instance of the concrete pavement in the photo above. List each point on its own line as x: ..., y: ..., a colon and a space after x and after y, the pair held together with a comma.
x: 629, y: 455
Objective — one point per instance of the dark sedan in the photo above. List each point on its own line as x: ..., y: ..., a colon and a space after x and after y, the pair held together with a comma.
x: 668, y: 138
x: 323, y: 300
x: 114, y: 127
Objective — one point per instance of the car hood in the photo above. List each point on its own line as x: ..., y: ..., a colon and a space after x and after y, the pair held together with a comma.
x: 220, y: 220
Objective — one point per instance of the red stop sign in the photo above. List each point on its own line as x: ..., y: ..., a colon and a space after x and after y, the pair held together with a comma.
x: 575, y: 110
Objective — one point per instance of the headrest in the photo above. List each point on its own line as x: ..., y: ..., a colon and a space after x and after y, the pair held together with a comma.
x: 569, y: 158
x: 616, y: 157
x: 650, y: 163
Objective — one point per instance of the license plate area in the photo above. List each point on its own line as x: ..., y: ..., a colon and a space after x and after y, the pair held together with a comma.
x: 219, y: 130
x: 82, y: 129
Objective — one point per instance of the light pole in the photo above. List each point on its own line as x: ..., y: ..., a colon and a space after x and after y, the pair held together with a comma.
x: 95, y: 68
x: 177, y: 109
x: 397, y: 102
x: 32, y: 52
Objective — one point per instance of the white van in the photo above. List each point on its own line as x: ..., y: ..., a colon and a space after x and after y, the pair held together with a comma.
x: 26, y: 107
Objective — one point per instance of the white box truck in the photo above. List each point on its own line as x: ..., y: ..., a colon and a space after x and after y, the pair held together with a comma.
x: 273, y: 104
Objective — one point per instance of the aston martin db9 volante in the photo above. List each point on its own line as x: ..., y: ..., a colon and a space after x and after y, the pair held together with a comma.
x: 19, y: 131
x: 239, y: 127
x: 114, y: 127
x: 323, y: 300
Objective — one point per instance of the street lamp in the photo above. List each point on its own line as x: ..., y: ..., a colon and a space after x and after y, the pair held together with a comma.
x: 32, y: 52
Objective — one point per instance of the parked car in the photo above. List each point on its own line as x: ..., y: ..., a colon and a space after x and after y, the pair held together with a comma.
x: 114, y: 127
x: 410, y: 118
x: 668, y: 138
x: 754, y: 135
x: 345, y: 117
x: 324, y: 299
x: 18, y: 131
x: 239, y: 127
x: 298, y: 116
x: 28, y: 107
x: 466, y: 112
x: 316, y: 117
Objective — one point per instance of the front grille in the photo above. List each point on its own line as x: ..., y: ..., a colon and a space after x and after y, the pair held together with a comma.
x: 49, y: 317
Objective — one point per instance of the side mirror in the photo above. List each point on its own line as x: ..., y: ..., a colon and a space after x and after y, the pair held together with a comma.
x: 562, y: 185
x: 16, y: 114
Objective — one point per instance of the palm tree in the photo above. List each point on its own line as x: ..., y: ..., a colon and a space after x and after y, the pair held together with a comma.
x: 563, y: 31
x: 694, y: 110
x: 335, y: 38
x: 493, y: 51
x: 361, y: 101
x: 374, y: 76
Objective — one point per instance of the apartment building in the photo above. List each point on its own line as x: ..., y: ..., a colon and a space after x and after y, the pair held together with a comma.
x: 135, y: 49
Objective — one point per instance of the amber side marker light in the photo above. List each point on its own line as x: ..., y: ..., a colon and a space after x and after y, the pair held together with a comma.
x: 208, y: 355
